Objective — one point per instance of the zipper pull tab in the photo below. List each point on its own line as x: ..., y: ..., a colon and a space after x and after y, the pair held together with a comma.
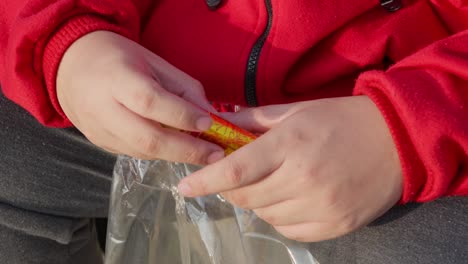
x: 213, y: 4
x: 390, y: 5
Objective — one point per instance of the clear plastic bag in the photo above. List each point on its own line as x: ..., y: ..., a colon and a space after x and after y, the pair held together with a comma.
x: 151, y: 223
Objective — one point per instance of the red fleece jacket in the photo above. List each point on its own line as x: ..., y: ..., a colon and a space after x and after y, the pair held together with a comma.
x: 412, y: 63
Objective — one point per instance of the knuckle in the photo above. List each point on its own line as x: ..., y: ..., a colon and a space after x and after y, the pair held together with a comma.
x: 310, y: 174
x: 146, y: 100
x: 307, y: 180
x: 181, y: 115
x: 149, y: 145
x: 234, y: 173
x: 331, y: 199
x: 143, y: 95
x: 191, y: 155
x: 239, y: 199
x: 348, y: 225
x: 197, y: 85
x: 294, y: 137
x: 268, y: 217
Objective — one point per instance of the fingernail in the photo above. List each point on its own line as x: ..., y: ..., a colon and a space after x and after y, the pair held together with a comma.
x: 184, y: 189
x: 215, y: 156
x: 203, y: 123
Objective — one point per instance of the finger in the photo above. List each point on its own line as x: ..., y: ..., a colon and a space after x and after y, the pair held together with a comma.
x: 148, y: 99
x: 288, y: 212
x: 261, y: 119
x: 190, y: 90
x: 148, y: 140
x: 237, y: 170
x: 276, y: 185
x: 311, y: 232
x: 179, y: 83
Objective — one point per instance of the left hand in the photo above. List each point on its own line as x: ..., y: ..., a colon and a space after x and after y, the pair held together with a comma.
x: 322, y: 169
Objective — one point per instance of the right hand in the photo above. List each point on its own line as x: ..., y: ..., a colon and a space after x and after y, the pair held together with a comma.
x: 119, y: 94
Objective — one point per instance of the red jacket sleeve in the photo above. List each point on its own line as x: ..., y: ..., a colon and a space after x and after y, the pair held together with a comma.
x: 424, y: 99
x: 35, y: 35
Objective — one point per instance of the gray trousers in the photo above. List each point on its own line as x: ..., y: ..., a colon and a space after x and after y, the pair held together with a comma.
x: 53, y: 182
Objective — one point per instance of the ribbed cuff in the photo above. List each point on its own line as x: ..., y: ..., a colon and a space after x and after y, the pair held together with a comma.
x: 372, y: 84
x: 68, y: 33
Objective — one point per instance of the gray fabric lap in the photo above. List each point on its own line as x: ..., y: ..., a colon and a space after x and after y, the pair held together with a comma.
x: 53, y: 180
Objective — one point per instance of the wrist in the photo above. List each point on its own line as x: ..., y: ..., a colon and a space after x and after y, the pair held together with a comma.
x: 412, y: 169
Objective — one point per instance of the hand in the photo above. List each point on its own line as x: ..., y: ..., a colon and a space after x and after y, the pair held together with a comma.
x: 118, y: 94
x: 322, y: 169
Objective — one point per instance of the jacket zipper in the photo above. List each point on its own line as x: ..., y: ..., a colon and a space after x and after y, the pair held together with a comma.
x: 252, y: 63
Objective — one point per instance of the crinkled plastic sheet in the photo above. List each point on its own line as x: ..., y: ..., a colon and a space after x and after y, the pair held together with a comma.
x: 151, y: 223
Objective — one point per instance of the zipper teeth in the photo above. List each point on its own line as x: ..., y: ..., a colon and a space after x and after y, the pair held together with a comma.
x: 252, y: 64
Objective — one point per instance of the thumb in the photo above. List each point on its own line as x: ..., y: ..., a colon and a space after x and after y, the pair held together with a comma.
x: 259, y: 119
